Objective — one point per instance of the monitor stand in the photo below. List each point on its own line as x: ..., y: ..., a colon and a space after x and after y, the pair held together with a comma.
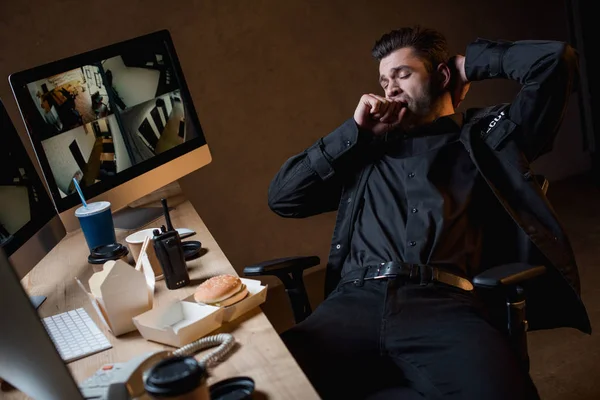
x: 149, y: 208
x: 130, y: 218
x: 37, y: 301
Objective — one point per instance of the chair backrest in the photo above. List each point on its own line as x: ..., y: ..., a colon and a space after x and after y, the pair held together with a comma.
x: 526, y: 243
x: 508, y: 312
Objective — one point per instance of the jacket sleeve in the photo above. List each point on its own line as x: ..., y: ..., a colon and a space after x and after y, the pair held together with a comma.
x: 311, y: 182
x: 547, y: 71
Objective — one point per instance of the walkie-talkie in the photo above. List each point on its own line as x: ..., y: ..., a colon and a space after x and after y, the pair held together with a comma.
x: 169, y: 252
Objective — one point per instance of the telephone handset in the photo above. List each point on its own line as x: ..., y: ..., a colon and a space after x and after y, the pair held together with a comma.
x: 125, y: 381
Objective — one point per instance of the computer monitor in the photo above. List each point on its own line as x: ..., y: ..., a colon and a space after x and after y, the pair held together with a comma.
x: 119, y: 119
x: 29, y: 360
x: 29, y: 224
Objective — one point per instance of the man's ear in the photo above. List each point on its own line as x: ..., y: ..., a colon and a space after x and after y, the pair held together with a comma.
x: 445, y: 76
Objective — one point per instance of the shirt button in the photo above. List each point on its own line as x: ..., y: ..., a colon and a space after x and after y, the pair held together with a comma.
x: 414, y: 210
x: 412, y: 243
x: 411, y: 175
x: 348, y: 143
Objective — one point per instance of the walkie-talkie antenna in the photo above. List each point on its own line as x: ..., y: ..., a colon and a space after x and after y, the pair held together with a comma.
x: 167, y: 216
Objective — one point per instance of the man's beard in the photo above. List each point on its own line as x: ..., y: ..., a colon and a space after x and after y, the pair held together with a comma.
x: 420, y: 108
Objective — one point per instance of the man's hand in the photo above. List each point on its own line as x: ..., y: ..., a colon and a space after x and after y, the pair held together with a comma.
x: 378, y: 114
x: 459, y: 84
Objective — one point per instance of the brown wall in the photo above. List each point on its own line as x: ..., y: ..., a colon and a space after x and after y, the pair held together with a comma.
x: 268, y: 78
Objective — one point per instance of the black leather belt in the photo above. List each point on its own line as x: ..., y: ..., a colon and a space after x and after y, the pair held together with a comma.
x: 414, y: 272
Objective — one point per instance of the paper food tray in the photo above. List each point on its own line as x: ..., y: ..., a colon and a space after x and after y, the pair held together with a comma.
x: 179, y: 323
x: 257, y: 294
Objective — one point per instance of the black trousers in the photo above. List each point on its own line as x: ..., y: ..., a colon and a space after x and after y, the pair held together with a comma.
x: 391, y: 339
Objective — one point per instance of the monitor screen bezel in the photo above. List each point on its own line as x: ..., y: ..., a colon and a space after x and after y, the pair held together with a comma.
x: 45, y: 210
x: 19, y: 81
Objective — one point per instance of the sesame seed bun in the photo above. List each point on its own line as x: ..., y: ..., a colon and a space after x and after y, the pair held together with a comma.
x: 221, y: 290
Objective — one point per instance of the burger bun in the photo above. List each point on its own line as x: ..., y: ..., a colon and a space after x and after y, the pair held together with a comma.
x: 221, y: 290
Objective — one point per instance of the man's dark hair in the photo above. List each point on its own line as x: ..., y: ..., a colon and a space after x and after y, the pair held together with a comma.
x: 428, y: 44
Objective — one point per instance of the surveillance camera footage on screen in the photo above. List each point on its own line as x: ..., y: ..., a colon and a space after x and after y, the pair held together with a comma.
x: 100, y: 119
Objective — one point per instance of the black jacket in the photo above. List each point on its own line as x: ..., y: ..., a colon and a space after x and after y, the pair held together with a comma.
x: 502, y: 141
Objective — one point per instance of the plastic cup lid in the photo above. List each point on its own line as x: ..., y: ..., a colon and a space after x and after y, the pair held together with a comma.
x: 107, y: 252
x: 92, y: 208
x: 175, y: 376
x: 191, y: 249
x: 238, y: 388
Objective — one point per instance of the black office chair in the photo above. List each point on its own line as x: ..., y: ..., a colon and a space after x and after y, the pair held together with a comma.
x: 502, y: 285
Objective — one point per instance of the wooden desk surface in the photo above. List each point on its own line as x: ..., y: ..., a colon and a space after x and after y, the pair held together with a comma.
x: 260, y: 353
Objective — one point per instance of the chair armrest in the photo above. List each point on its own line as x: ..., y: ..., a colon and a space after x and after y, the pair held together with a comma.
x: 289, y: 270
x: 507, y: 275
x: 282, y: 265
x: 511, y: 319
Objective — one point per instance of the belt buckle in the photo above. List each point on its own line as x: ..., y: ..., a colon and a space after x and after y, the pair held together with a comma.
x: 377, y: 276
x: 384, y: 276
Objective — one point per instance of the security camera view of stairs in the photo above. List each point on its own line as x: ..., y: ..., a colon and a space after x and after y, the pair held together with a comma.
x: 101, y: 119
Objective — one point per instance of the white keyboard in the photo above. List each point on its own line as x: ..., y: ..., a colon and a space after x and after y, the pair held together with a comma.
x: 75, y: 334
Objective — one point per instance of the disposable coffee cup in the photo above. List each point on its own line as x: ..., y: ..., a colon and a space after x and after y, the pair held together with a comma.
x: 135, y: 242
x: 177, y: 378
x: 96, y: 223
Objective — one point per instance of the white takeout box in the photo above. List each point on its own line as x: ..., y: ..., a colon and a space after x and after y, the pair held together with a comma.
x: 120, y: 292
x: 257, y: 294
x: 179, y: 323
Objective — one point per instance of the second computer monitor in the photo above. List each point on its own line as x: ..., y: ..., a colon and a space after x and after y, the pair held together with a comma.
x: 120, y: 120
x: 29, y: 224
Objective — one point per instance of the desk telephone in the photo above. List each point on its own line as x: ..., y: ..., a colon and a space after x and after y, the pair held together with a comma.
x: 125, y: 381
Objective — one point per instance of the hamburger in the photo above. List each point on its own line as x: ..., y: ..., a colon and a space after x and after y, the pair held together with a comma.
x: 221, y: 291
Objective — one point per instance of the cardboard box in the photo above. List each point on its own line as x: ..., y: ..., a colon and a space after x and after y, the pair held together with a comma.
x: 120, y: 292
x: 257, y: 294
x: 179, y: 323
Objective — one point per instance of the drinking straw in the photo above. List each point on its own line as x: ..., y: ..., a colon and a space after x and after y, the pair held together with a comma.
x: 79, y: 191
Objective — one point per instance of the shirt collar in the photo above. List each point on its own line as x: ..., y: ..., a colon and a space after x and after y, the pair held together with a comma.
x: 458, y: 118
x: 443, y: 125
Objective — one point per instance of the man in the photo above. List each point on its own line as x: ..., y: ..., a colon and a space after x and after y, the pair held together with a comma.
x: 414, y: 182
